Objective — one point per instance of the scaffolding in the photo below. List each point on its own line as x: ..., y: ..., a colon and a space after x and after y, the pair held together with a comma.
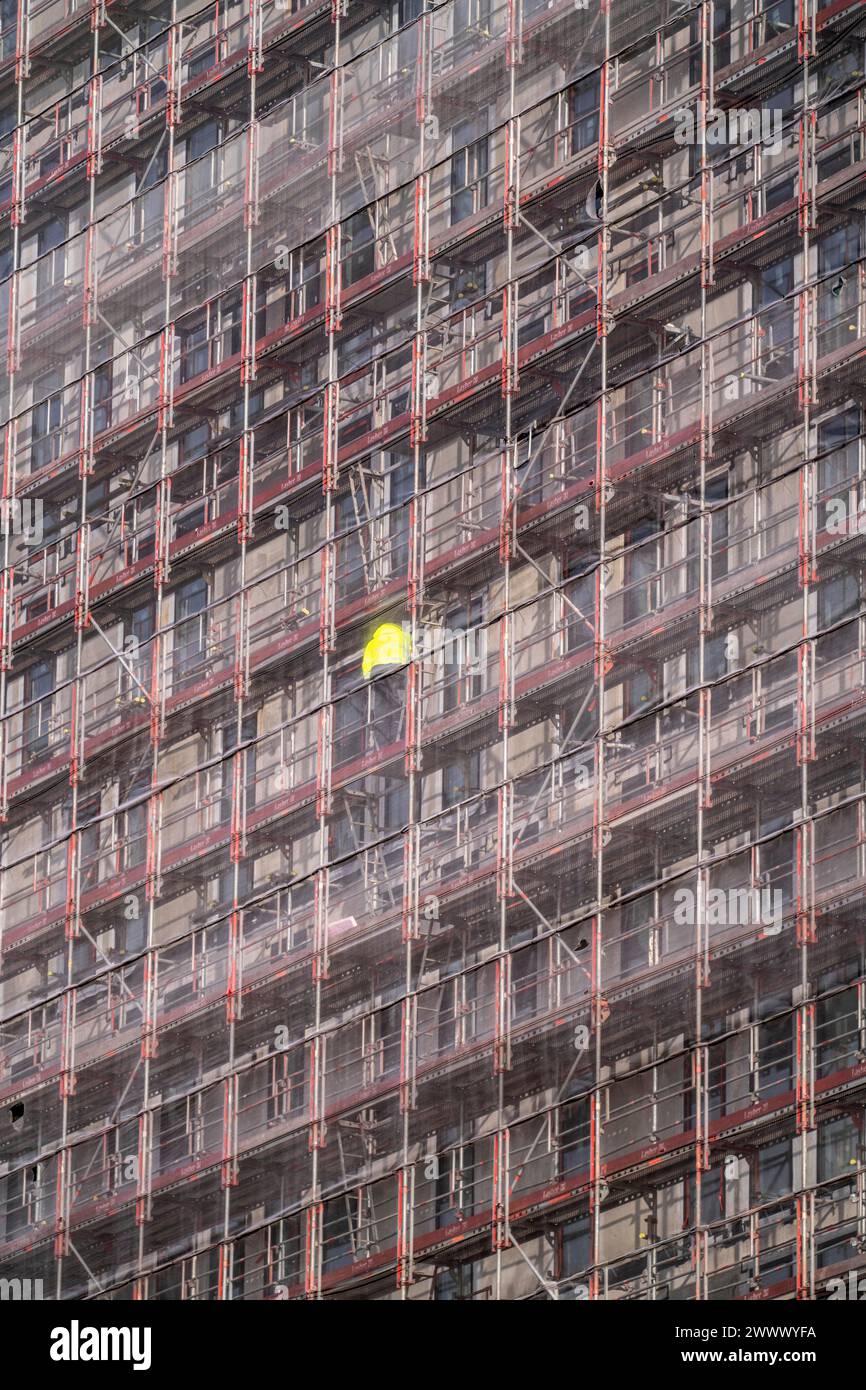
x: 528, y: 963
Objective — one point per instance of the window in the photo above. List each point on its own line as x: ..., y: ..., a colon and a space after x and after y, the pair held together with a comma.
x: 838, y: 599
x: 838, y: 602
x: 461, y: 779
x: 191, y: 518
x: 637, y: 426
x: 775, y: 858
x: 778, y: 17
x: 56, y: 155
x: 777, y: 281
x: 8, y: 27
x: 469, y: 165
x: 783, y: 101
x: 639, y: 693
x: 718, y: 1080
x: 194, y: 347
x: 838, y: 302
x: 721, y: 44
x: 395, y: 808
x: 407, y: 11
x: 529, y: 471
x: 574, y: 1136
x: 356, y: 349
x: 347, y: 831
x: 202, y: 61
x: 148, y: 206
x: 221, y: 894
x: 47, y: 417
x: 201, y: 141
x: 7, y: 125
x: 236, y: 410
x: 536, y: 294
x: 836, y: 1032
x: 713, y: 1204
x: 337, y: 1236
x: 772, y: 1173
x: 389, y: 1037
x: 775, y: 1056
x: 138, y: 648
x: 457, y: 1011
x: 454, y: 1183
x: 471, y: 15
x: 778, y: 193
x: 400, y: 482
x: 524, y: 982
x: 194, y: 444
x: 51, y: 251
x: 287, y: 1084
x: 576, y: 1253
x: 132, y: 827
x: 353, y: 539
x: 179, y: 1131
x: 641, y: 563
x: 462, y: 680
x: 387, y: 711
x: 350, y: 716
x: 304, y: 279
x: 716, y: 493
x: 131, y: 932
x: 229, y: 741
x: 89, y: 839
x: 102, y: 388
x: 584, y: 99
x: 19, y: 1199
x: 775, y: 1269
x: 634, y: 935
x: 38, y: 693
x: 838, y: 459
x: 839, y: 158
x: 190, y: 638
x: 229, y: 318
x: 360, y: 246
x: 776, y: 312
x: 839, y: 248
x: 715, y: 667
x: 838, y: 1148
x: 454, y: 1284
x: 202, y: 148
x: 578, y: 604
x: 835, y: 1248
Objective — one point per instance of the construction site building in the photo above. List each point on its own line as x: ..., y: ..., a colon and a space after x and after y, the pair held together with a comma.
x: 433, y: 762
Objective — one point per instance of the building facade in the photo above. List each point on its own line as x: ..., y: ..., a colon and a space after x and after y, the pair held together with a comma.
x: 433, y: 765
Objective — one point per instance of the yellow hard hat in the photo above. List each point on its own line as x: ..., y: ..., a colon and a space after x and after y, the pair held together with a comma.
x: 389, y: 646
